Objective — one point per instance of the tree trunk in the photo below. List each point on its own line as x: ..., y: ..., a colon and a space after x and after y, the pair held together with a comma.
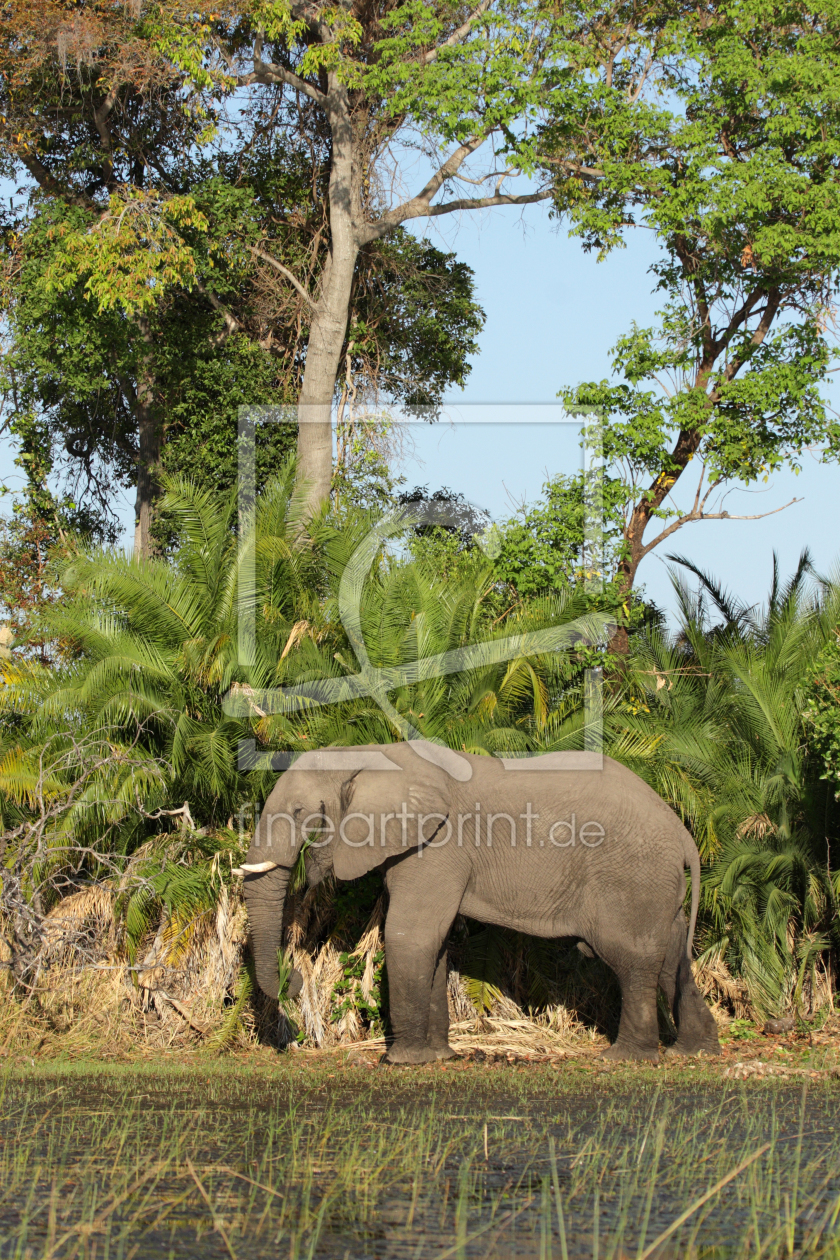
x: 148, y: 456
x: 323, y: 355
x: 641, y: 516
x: 331, y: 310
x: 625, y: 576
x: 148, y: 453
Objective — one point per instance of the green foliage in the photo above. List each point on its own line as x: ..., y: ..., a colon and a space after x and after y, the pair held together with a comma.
x: 232, y: 1023
x: 362, y: 476
x: 155, y: 646
x: 414, y: 322
x: 561, y: 543
x: 483, y: 966
x: 31, y: 552
x: 348, y: 993
x: 125, y: 258
x: 736, y: 170
x: 544, y: 547
x: 410, y: 611
x: 742, y: 1030
x: 724, y: 736
x: 490, y: 75
x: 65, y: 361
x: 823, y: 711
x: 76, y: 367
x: 179, y: 874
x: 77, y: 354
x: 754, y: 425
x: 70, y: 798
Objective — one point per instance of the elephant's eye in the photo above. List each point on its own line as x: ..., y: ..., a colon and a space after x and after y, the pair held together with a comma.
x: 297, y: 811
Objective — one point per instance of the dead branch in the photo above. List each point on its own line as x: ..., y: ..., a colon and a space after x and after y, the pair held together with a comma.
x: 700, y: 515
x: 284, y: 271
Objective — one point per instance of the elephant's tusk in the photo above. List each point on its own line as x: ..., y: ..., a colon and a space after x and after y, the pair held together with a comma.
x: 256, y: 869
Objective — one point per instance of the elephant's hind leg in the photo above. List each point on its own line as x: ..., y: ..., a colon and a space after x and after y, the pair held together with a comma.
x: 637, y: 967
x: 696, y: 1028
x: 638, y: 1029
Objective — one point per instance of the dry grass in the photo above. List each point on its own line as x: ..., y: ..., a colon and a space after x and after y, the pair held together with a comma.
x: 189, y: 989
x: 724, y: 992
x: 729, y: 996
x: 521, y: 1040
x: 85, y: 996
x: 181, y: 991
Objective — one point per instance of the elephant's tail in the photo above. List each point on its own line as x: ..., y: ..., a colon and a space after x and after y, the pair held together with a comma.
x: 692, y: 861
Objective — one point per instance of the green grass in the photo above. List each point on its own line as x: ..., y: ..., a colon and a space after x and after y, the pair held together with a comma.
x: 308, y: 1158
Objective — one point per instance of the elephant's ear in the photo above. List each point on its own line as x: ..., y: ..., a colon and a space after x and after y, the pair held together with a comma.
x: 384, y: 813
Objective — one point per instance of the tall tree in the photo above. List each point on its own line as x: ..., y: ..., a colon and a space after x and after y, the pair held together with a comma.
x: 374, y: 82
x: 72, y: 366
x: 93, y: 113
x: 360, y: 78
x: 143, y: 283
x: 740, y: 179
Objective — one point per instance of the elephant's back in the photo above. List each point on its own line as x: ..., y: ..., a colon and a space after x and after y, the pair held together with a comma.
x: 597, y: 787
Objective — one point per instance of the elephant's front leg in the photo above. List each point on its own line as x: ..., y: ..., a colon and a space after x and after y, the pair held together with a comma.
x: 416, y: 928
x: 438, y: 1035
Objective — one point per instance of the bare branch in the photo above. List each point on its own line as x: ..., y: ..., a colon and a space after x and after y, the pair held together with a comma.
x: 417, y: 206
x: 456, y: 36
x: 232, y: 324
x: 482, y: 203
x: 267, y: 72
x: 636, y: 93
x: 774, y: 300
x: 46, y: 180
x: 697, y: 514
x: 416, y: 209
x: 576, y: 168
x: 499, y: 177
x: 284, y: 271
x: 183, y: 812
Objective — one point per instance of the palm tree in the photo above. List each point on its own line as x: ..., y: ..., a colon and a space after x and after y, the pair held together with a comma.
x: 152, y: 646
x: 127, y: 739
x: 130, y: 734
x: 733, y: 753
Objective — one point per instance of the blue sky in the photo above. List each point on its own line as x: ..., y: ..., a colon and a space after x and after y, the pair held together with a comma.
x: 553, y: 314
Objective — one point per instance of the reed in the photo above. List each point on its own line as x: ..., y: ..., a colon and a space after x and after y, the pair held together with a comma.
x: 318, y: 1158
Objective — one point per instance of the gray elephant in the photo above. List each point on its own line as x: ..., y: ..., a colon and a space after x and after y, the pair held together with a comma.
x: 563, y: 845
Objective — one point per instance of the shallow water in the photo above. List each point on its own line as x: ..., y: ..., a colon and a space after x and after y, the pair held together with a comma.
x: 322, y: 1160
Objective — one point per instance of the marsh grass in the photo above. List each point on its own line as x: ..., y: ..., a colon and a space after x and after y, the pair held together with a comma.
x: 306, y: 1160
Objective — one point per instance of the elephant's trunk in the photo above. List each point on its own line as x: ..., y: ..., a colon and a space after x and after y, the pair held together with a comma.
x: 265, y: 898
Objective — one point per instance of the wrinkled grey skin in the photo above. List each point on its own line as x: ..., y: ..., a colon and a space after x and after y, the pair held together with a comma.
x: 622, y: 899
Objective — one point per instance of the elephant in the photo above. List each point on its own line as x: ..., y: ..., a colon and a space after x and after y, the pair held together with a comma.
x: 560, y: 845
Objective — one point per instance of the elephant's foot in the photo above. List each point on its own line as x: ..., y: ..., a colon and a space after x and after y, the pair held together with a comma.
x: 444, y: 1052
x: 689, y: 1048
x: 621, y: 1051
x: 403, y: 1054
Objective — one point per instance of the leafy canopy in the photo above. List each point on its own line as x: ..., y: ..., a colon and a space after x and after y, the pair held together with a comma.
x: 736, y: 168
